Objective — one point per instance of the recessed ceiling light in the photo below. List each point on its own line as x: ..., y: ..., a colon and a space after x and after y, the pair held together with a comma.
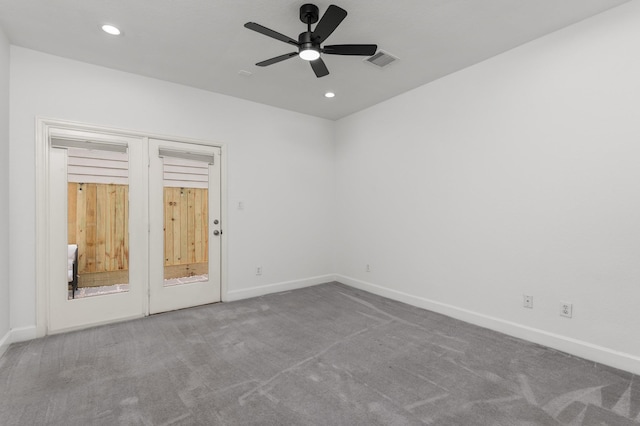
x: 110, y: 29
x: 329, y: 95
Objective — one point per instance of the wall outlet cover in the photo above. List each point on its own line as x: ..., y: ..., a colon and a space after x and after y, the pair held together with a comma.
x: 566, y: 309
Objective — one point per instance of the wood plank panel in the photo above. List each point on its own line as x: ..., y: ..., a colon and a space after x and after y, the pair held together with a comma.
x: 120, y: 226
x: 81, y: 227
x: 101, y: 230
x: 97, y: 279
x: 72, y: 199
x: 191, y: 222
x: 168, y: 226
x: 184, y: 225
x: 126, y: 227
x: 110, y: 244
x: 205, y: 224
x: 90, y: 248
x: 186, y: 270
x: 199, y: 242
x: 175, y: 222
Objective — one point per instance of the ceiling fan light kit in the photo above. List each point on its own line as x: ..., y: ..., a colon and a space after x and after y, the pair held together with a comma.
x: 309, y: 54
x: 309, y: 42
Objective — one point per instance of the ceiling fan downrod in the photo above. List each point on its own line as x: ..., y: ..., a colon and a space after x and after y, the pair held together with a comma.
x: 308, y: 50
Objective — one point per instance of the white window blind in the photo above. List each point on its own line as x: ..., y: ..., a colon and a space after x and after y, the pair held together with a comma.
x: 196, y: 156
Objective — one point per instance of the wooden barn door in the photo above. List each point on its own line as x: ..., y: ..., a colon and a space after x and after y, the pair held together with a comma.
x: 185, y: 229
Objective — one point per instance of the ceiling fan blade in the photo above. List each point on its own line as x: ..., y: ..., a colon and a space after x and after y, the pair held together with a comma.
x: 351, y: 49
x: 270, y: 33
x: 319, y: 67
x: 328, y: 23
x: 276, y: 59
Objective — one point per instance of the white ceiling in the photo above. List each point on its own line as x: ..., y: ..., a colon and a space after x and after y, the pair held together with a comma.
x: 202, y: 43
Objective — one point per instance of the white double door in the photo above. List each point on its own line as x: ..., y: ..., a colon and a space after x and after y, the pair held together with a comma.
x: 143, y: 217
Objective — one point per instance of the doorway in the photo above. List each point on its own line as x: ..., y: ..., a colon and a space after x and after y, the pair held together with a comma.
x: 134, y: 227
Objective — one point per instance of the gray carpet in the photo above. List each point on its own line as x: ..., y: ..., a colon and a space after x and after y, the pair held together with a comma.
x: 324, y: 355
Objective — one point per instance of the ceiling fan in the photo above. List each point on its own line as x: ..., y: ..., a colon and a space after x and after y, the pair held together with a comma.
x: 309, y: 42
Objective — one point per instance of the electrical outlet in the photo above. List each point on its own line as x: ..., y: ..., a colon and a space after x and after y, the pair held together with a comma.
x: 258, y: 270
x: 566, y: 309
x: 368, y: 268
x: 527, y: 301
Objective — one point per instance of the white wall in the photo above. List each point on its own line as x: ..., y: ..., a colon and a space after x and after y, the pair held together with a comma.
x: 516, y: 176
x: 520, y: 175
x: 280, y: 164
x: 4, y: 190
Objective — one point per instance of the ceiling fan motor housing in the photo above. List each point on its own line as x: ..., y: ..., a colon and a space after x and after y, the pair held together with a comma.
x: 309, y: 13
x: 306, y: 42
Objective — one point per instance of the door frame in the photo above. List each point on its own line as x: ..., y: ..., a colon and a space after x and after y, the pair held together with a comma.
x: 44, y: 129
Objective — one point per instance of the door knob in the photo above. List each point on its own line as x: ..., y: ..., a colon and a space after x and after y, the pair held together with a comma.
x: 216, y: 232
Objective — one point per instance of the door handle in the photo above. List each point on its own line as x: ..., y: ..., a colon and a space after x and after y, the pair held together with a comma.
x: 216, y: 232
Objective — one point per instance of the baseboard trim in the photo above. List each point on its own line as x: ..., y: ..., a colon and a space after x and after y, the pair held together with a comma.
x: 22, y: 334
x: 5, y: 342
x: 246, y: 293
x: 582, y: 349
x: 16, y: 335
